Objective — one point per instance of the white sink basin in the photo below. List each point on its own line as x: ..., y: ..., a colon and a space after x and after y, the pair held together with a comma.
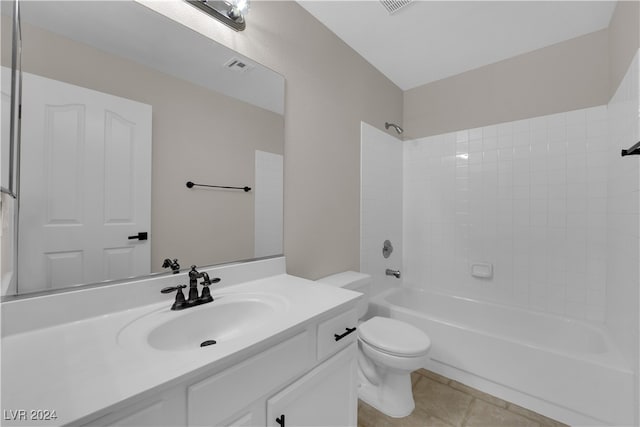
x: 228, y: 318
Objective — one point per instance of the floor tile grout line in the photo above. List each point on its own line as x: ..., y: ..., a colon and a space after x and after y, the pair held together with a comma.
x: 442, y: 420
x: 468, y: 411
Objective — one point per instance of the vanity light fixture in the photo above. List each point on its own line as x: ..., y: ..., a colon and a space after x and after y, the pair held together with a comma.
x: 230, y: 12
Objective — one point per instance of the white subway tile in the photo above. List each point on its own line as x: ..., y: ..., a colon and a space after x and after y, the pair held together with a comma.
x: 475, y: 133
x: 522, y: 139
x: 521, y: 126
x: 598, y: 113
x: 462, y: 136
x: 489, y: 131
x: 576, y: 118
x: 505, y: 140
x: 538, y: 124
x: 557, y: 135
x: 555, y: 121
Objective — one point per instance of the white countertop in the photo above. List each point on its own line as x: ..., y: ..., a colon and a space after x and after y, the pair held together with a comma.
x: 79, y: 368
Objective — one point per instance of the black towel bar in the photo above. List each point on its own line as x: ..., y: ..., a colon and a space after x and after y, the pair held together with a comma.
x: 191, y: 185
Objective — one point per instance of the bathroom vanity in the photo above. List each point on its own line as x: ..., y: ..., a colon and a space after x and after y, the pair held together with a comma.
x: 284, y: 354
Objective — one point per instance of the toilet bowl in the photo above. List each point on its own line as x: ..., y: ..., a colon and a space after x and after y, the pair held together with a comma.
x: 388, y: 351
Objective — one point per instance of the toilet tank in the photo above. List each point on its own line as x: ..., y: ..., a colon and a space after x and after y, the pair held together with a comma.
x: 354, y: 281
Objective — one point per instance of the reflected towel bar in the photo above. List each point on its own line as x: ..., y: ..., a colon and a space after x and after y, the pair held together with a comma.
x: 191, y: 185
x: 633, y: 150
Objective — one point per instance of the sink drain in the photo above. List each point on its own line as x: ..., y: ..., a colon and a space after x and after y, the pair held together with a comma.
x: 207, y: 342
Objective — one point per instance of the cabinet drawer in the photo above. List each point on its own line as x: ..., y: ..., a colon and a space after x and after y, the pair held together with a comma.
x: 218, y: 397
x: 337, y: 333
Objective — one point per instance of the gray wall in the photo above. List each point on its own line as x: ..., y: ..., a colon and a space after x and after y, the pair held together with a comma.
x: 624, y: 40
x: 565, y: 76
x: 329, y: 90
x: 578, y: 73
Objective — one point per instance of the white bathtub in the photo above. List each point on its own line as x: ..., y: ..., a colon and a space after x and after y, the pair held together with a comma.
x: 562, y: 368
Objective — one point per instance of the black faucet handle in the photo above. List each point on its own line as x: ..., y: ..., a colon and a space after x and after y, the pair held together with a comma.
x: 205, y: 296
x: 180, y: 301
x: 172, y: 289
x: 206, y: 281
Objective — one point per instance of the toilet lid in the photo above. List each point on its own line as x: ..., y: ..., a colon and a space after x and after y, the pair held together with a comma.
x: 393, y: 336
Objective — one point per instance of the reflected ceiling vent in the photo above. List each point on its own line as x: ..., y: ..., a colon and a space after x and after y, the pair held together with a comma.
x: 236, y: 64
x: 395, y: 5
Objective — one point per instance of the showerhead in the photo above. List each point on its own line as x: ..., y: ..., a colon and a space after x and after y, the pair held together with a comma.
x: 398, y: 129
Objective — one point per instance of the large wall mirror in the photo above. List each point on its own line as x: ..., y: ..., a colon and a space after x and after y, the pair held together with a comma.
x: 121, y: 107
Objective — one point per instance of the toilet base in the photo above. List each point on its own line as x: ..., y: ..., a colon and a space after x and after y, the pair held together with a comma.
x: 393, y: 396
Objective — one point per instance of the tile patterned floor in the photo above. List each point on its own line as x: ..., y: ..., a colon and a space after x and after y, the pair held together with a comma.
x: 441, y: 402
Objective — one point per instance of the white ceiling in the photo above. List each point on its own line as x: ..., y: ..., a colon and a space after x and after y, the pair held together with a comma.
x: 431, y: 40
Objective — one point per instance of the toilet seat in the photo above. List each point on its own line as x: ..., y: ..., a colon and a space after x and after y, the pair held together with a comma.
x: 394, y: 337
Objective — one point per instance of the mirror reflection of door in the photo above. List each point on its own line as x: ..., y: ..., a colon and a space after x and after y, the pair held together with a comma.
x: 85, y: 185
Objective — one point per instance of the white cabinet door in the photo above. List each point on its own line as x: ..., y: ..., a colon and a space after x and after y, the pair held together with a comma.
x: 326, y: 396
x: 85, y: 185
x: 218, y: 397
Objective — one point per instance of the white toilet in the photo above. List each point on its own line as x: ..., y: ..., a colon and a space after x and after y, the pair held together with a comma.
x: 389, y: 350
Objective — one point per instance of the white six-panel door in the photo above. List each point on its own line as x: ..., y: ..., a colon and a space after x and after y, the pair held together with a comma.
x: 85, y: 186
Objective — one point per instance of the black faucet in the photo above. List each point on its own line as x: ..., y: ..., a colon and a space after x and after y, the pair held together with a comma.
x: 194, y: 299
x: 194, y: 275
x: 173, y: 264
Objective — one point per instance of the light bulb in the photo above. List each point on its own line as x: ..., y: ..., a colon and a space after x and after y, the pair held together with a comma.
x: 238, y: 8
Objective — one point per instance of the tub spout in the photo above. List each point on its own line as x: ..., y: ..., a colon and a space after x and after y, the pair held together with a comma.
x: 394, y: 273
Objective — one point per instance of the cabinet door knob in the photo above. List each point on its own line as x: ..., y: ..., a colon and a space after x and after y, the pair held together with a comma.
x: 280, y: 420
x: 339, y: 337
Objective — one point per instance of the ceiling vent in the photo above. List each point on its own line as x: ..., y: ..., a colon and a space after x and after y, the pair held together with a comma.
x: 236, y: 64
x: 394, y: 5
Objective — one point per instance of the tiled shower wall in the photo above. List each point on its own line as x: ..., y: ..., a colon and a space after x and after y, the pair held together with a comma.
x: 548, y: 201
x: 528, y: 197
